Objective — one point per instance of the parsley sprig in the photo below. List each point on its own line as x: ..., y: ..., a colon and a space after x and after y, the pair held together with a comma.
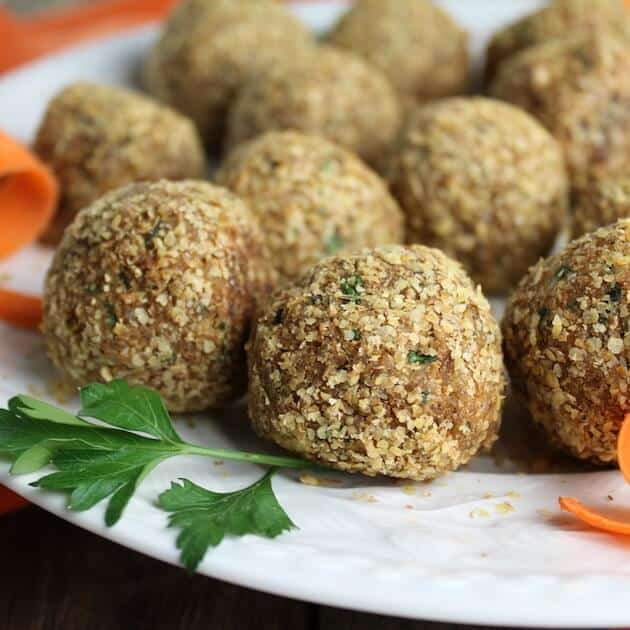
x: 109, y: 460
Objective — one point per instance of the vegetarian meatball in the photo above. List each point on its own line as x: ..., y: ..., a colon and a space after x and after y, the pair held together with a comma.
x: 484, y: 182
x: 561, y: 17
x: 209, y: 48
x: 332, y: 94
x: 156, y: 283
x: 387, y: 362
x: 600, y: 201
x: 579, y: 88
x: 417, y: 45
x: 96, y: 138
x: 312, y: 198
x: 567, y: 342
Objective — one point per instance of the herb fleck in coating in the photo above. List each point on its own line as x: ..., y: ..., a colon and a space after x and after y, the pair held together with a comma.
x: 334, y: 94
x: 210, y: 48
x: 484, y: 182
x: 311, y: 198
x: 97, y: 138
x: 567, y: 342
x: 579, y: 88
x: 387, y: 361
x: 156, y: 283
x: 417, y: 45
x: 599, y: 201
x: 561, y: 17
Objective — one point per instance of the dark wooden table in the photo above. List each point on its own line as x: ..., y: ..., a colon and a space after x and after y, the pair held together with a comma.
x: 58, y: 577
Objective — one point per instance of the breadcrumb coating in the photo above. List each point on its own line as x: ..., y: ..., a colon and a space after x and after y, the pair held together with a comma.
x: 579, y: 88
x: 598, y: 202
x: 96, y: 138
x: 210, y: 48
x: 387, y: 362
x: 312, y: 199
x: 567, y: 342
x: 484, y: 182
x: 156, y: 283
x: 332, y: 93
x: 561, y: 17
x: 417, y: 45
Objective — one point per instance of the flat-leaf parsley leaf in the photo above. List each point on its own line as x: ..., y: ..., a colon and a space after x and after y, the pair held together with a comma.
x: 205, y: 517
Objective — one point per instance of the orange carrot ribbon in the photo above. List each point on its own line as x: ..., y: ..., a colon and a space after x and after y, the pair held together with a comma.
x: 20, y: 310
x: 28, y: 196
x: 591, y: 516
x: 25, y: 40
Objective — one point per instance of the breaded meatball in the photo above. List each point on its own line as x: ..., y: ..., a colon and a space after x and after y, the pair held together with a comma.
x: 210, y: 48
x: 417, y: 45
x: 559, y: 19
x: 387, y: 362
x: 579, y: 88
x: 600, y: 201
x: 567, y: 342
x: 333, y: 94
x: 311, y: 198
x: 484, y: 182
x: 96, y: 138
x: 156, y: 283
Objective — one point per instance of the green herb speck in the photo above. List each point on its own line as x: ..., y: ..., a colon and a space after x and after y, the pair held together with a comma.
x: 328, y: 165
x: 417, y: 358
x: 333, y: 243
x: 356, y: 335
x: 351, y: 287
x: 425, y: 397
x: 563, y: 272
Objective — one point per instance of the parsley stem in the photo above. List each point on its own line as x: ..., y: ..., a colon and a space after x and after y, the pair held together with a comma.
x: 252, y: 458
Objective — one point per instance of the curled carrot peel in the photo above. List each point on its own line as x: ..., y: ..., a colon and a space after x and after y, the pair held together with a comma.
x: 20, y: 310
x: 592, y: 517
x: 28, y: 196
x: 623, y: 449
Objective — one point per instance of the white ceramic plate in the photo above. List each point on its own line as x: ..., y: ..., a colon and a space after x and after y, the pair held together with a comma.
x: 422, y: 551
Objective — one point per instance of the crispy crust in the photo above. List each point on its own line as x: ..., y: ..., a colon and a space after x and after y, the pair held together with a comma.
x: 598, y: 202
x: 417, y: 45
x: 209, y: 48
x: 156, y: 283
x: 333, y: 93
x: 579, y: 88
x: 96, y: 138
x: 482, y: 181
x: 567, y: 343
x: 398, y: 373
x: 557, y: 20
x: 312, y: 199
